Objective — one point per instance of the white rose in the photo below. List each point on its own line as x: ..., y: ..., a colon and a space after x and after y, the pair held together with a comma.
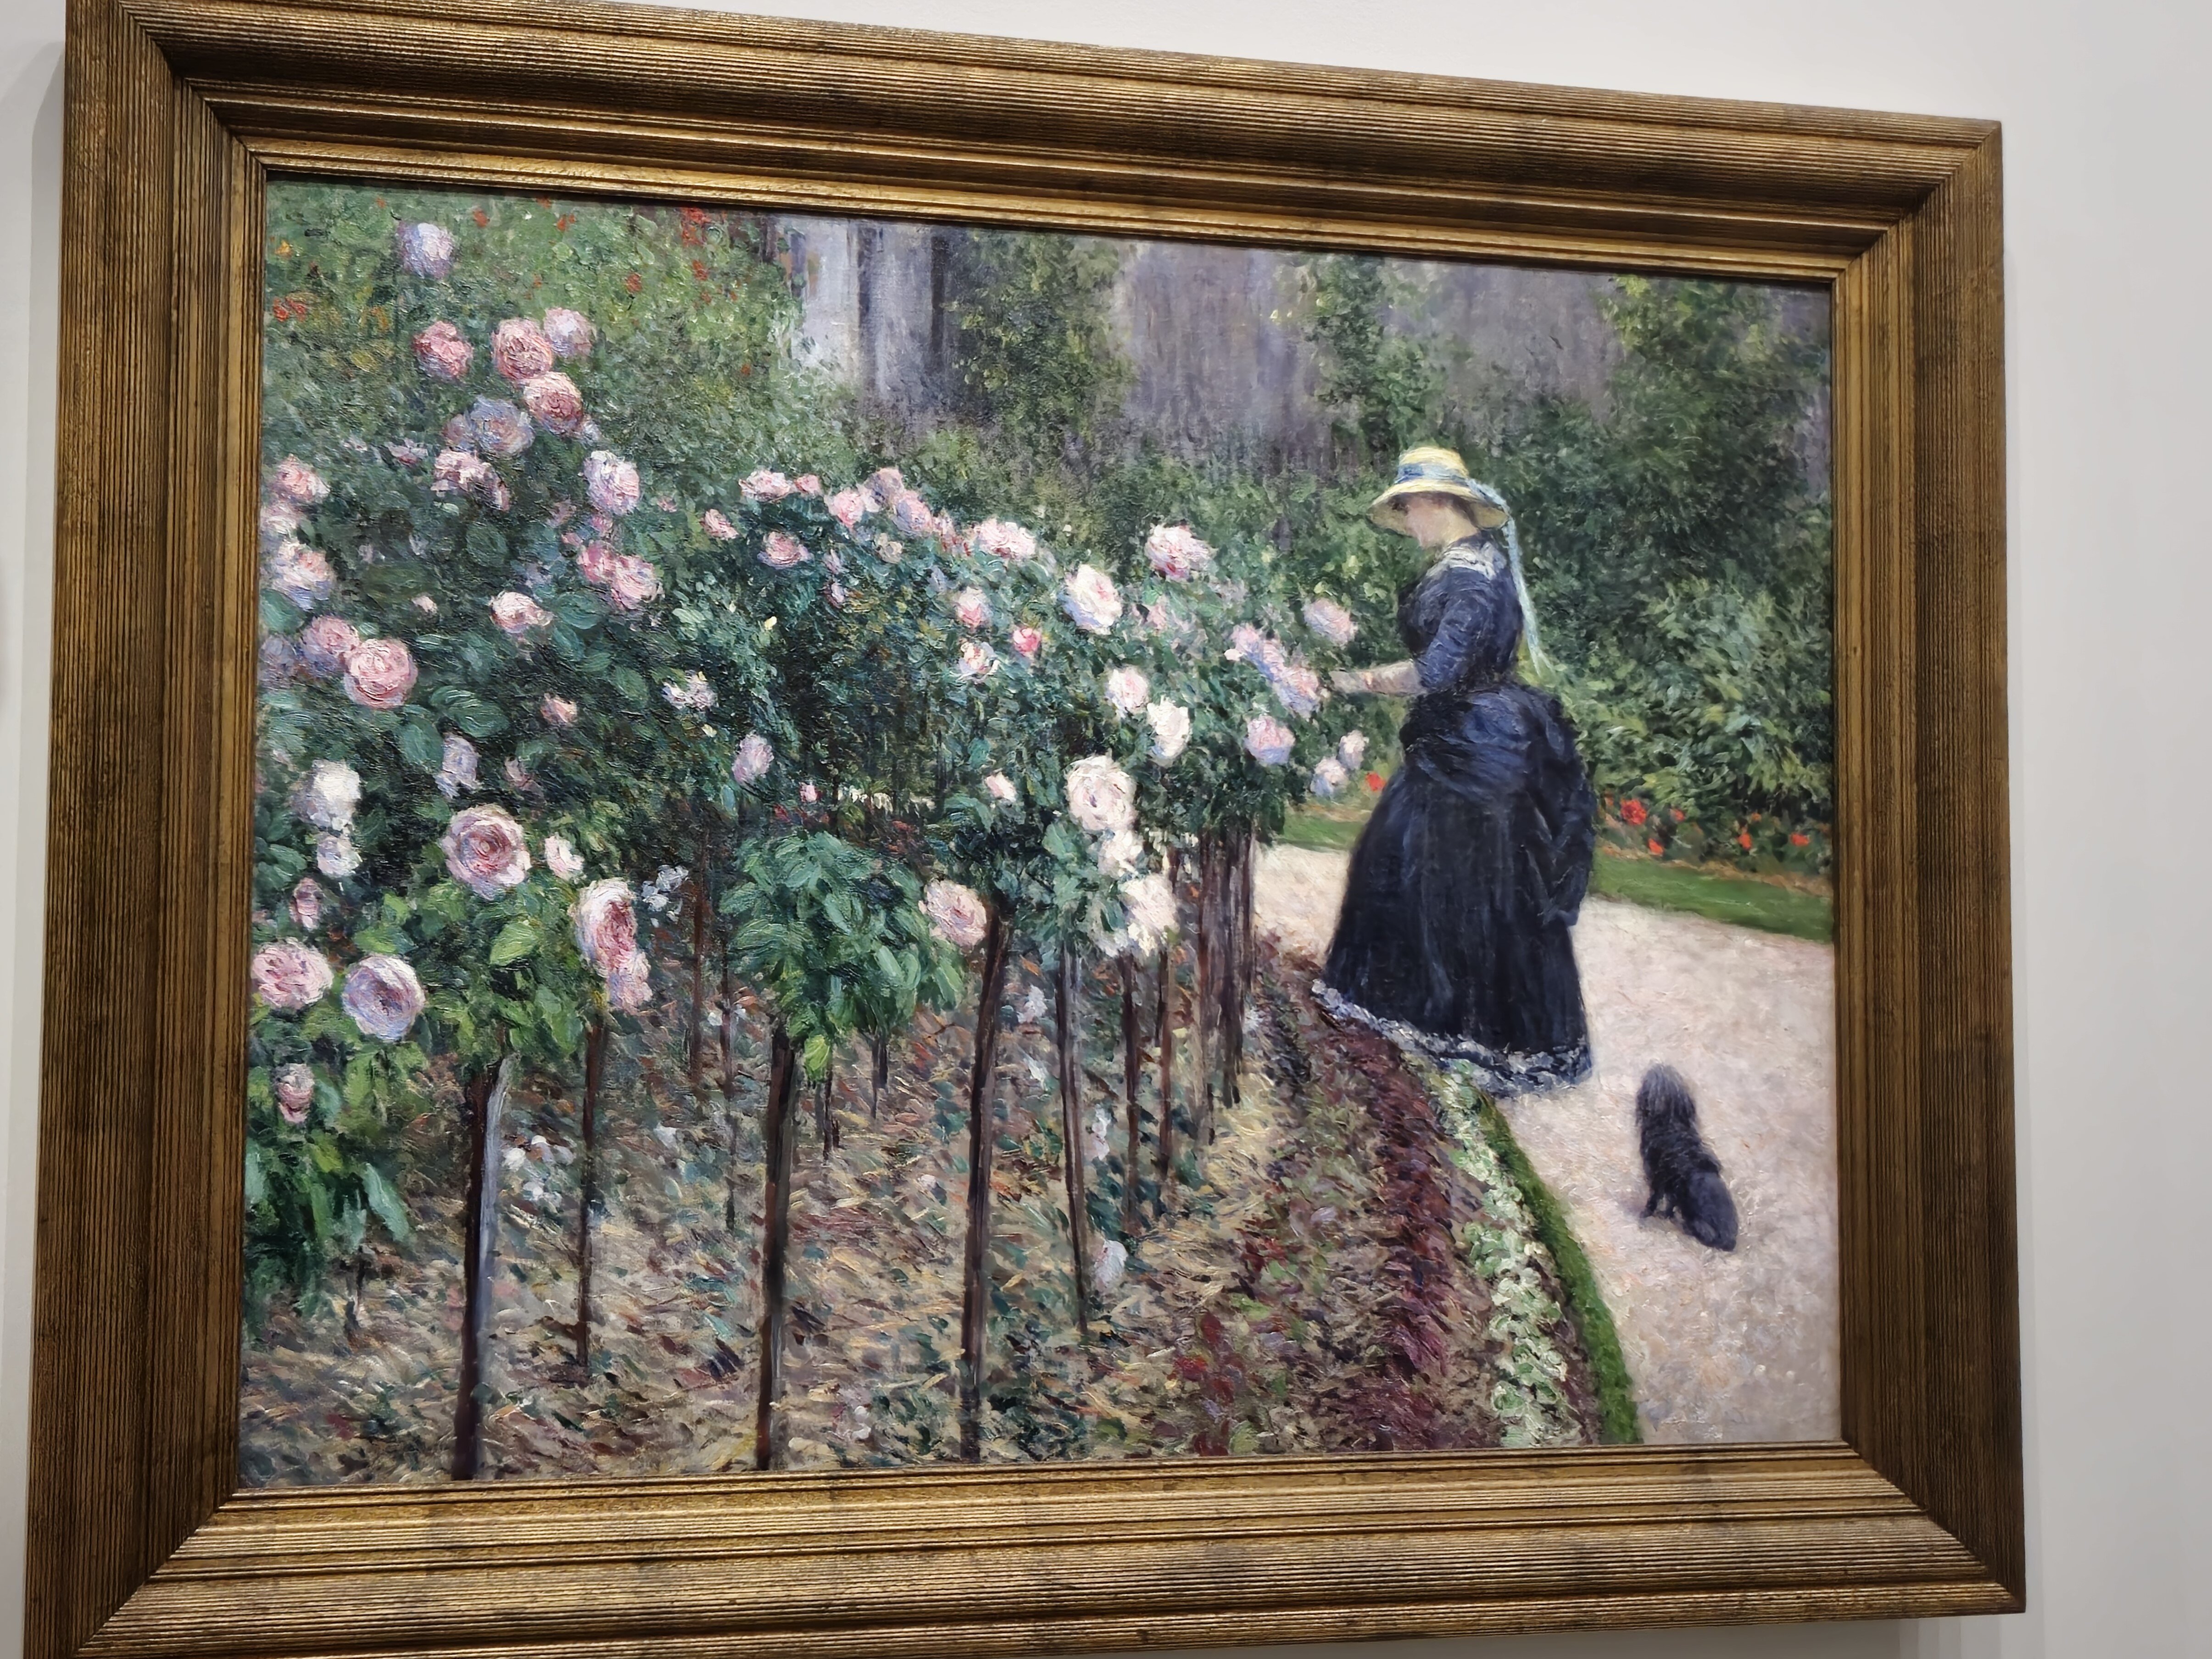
x: 753, y: 759
x: 1329, y: 778
x: 1127, y: 689
x: 1267, y: 740
x: 1100, y: 796
x: 1149, y: 902
x: 1000, y: 787
x: 562, y: 858
x: 1352, y: 748
x: 1090, y: 597
x: 1170, y: 724
x: 326, y: 796
x: 1121, y: 853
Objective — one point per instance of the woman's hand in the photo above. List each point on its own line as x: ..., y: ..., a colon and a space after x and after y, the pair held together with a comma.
x: 1396, y: 679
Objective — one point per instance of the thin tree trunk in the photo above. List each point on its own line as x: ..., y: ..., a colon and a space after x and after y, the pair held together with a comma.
x: 1132, y: 1064
x: 880, y: 1054
x: 1164, y: 1148
x: 982, y: 1137
x: 1202, y: 1023
x: 1229, y: 970
x: 487, y: 1100
x: 695, y: 1058
x: 587, y: 1166
x: 730, y: 1089
x: 775, y: 1242
x: 1071, y: 1126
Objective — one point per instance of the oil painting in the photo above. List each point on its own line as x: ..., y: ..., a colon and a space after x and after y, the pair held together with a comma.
x: 883, y: 844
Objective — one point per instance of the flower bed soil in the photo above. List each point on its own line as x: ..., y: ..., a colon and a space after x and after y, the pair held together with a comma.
x: 1320, y: 1277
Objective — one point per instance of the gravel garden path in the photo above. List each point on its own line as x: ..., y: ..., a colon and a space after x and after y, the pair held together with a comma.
x: 1737, y: 1346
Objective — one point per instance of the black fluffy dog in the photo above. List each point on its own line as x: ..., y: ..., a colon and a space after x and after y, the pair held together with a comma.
x: 1684, y: 1174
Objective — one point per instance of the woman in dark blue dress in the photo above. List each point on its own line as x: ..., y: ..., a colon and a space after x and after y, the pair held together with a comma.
x: 1455, y: 934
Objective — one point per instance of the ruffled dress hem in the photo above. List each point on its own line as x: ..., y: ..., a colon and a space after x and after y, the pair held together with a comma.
x: 1496, y: 1071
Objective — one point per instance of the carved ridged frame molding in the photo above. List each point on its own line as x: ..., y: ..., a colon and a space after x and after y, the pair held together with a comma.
x: 177, y: 112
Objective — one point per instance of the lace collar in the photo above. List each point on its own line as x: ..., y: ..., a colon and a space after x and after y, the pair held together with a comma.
x: 1476, y: 553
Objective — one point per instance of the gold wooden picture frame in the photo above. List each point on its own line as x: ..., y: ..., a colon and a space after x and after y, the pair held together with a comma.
x: 180, y: 110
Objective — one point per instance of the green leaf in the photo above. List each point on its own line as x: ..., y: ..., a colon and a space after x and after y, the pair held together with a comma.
x: 419, y: 739
x: 384, y: 1201
x: 279, y: 615
x: 581, y: 611
x: 631, y: 685
x: 257, y: 1179
x: 517, y: 939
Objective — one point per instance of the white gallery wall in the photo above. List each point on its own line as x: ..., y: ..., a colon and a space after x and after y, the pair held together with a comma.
x: 2109, y: 382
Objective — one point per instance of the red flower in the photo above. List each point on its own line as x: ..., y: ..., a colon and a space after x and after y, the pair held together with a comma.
x: 1634, y: 812
x: 1743, y: 840
x: 697, y: 215
x: 281, y: 311
x: 1678, y: 814
x: 1796, y: 840
x: 481, y: 217
x: 699, y: 268
x: 634, y: 282
x: 1654, y: 845
x: 1374, y: 783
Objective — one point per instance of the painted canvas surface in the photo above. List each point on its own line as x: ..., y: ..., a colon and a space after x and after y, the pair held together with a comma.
x: 879, y: 844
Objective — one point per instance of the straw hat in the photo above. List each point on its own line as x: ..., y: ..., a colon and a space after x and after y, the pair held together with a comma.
x: 1429, y: 471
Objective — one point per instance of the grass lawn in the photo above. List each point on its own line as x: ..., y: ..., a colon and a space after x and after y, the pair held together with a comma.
x: 1746, y: 901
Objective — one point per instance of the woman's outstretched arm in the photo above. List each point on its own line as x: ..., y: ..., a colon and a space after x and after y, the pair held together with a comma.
x: 1396, y: 679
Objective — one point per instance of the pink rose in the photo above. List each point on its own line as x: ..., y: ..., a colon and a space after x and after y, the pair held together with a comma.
x: 848, y: 507
x: 631, y: 582
x: 335, y: 855
x: 498, y: 428
x: 957, y: 914
x: 911, y: 513
x: 568, y: 333
x: 427, y: 250
x: 407, y: 451
x: 1331, y: 621
x: 809, y: 794
x: 517, y: 774
x: 753, y: 758
x: 299, y: 573
x: 1002, y: 540
x: 1028, y: 640
x: 783, y: 550
x: 383, y: 996
x: 296, y: 482
x: 606, y: 916
x: 456, y: 472
x: 295, y: 1093
x: 324, y: 644
x: 716, y: 524
x: 278, y: 520
x: 1267, y: 740
x: 611, y: 483
x: 379, y: 673
x: 562, y: 858
x: 836, y: 595
x: 763, y: 484
x: 519, y: 349
x: 554, y: 403
x: 1299, y: 687
x: 289, y: 975
x: 1176, y: 552
x: 444, y: 351
x: 516, y: 614
x: 808, y: 484
x: 971, y: 608
x: 630, y: 987
x: 485, y: 851
x: 557, y: 711
x: 595, y: 564
x: 280, y: 661
x: 883, y: 486
x: 1000, y: 787
x: 307, y: 904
